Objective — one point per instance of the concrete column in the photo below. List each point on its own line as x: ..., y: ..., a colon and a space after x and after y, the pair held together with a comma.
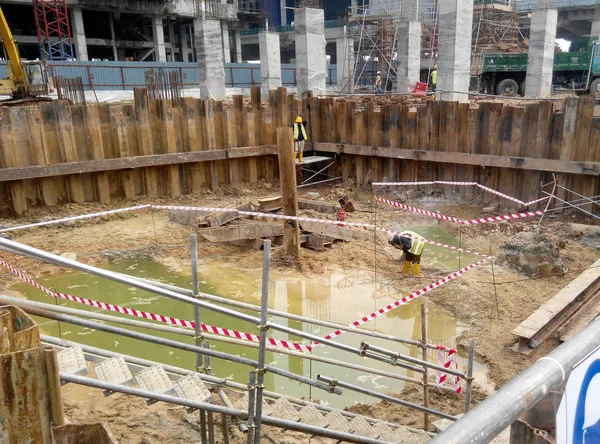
x: 226, y: 45
x: 344, y: 47
x: 596, y: 23
x: 158, y: 36
x: 540, y: 58
x: 79, y: 34
x: 409, y: 55
x: 111, y: 26
x: 270, y: 62
x: 237, y: 38
x: 454, y: 48
x: 353, y: 7
x: 282, y: 6
x: 311, y: 63
x: 184, y: 49
x: 209, y: 53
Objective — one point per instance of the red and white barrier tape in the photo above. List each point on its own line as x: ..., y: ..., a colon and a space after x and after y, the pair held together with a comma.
x: 483, y: 187
x: 311, y: 219
x: 448, y: 361
x: 460, y: 221
x: 156, y: 317
x: 406, y: 299
x: 83, y: 216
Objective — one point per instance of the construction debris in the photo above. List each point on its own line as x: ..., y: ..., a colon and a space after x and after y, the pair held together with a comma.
x: 533, y: 254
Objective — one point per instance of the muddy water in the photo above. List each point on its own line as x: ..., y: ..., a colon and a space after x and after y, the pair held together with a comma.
x: 341, y: 297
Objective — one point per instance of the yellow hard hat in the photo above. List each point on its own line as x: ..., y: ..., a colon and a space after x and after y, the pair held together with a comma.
x: 298, y: 119
x: 434, y: 66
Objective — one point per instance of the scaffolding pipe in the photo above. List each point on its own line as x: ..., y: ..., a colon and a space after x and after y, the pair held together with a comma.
x: 283, y: 314
x: 275, y: 422
x: 505, y: 406
x: 185, y: 332
x: 263, y: 327
x: 174, y: 344
x: 209, y: 415
x: 394, y: 355
x: 43, y: 255
x: 209, y: 379
x: 469, y: 375
x: 336, y: 383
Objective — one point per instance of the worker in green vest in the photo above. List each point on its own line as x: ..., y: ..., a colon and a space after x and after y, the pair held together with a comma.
x: 412, y: 245
x: 434, y: 78
x: 299, y: 137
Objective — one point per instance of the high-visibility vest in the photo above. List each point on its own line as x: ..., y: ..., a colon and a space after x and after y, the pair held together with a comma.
x: 416, y: 245
x: 296, y: 125
x: 434, y: 77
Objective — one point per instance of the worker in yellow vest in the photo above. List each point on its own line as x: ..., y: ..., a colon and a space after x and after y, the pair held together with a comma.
x: 412, y: 245
x: 434, y: 78
x: 299, y: 137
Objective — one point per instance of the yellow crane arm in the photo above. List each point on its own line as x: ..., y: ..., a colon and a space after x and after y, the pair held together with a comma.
x: 16, y: 67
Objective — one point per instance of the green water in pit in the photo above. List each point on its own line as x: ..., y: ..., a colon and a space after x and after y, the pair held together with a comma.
x: 339, y: 296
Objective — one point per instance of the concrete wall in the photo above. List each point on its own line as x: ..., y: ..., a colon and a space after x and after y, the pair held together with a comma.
x: 540, y: 58
x: 311, y: 64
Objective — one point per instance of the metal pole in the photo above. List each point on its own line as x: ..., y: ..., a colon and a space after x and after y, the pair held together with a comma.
x: 569, y: 204
x: 424, y: 355
x: 182, y: 331
x: 505, y: 406
x: 263, y: 327
x: 198, y: 337
x: 336, y: 383
x: 275, y: 422
x: 174, y: 344
x: 589, y: 199
x: 469, y: 375
x: 395, y: 355
x: 43, y: 255
x: 251, y: 406
x: 211, y: 421
x: 282, y: 314
x: 96, y: 353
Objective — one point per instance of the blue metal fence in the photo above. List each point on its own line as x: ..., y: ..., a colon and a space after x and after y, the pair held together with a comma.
x: 118, y: 76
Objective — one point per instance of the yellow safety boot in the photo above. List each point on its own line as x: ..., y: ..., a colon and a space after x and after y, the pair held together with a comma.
x: 295, y: 156
x: 301, y: 157
x: 406, y: 268
x: 416, y: 269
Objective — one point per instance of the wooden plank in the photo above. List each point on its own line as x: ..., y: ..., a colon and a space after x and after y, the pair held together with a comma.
x: 474, y: 141
x: 120, y: 138
x: 317, y: 205
x: 53, y: 144
x: 211, y: 134
x: 585, y: 112
x: 337, y: 232
x: 37, y: 140
x: 586, y: 314
x: 287, y: 170
x: 242, y: 231
x: 231, y: 133
x: 315, y: 120
x: 586, y: 168
x: 452, y: 129
x: 463, y: 128
x: 412, y: 130
x: 96, y: 142
x: 10, y: 158
x: 557, y: 123
x: 33, y: 172
x: 174, y: 182
x: 69, y: 148
x: 393, y: 120
x: 495, y: 111
x: 191, y: 110
x: 569, y: 151
x: 541, y: 323
x: 252, y: 161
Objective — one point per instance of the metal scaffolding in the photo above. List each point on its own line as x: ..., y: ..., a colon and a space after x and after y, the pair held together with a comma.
x: 53, y: 29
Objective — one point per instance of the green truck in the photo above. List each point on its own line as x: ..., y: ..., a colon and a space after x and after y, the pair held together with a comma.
x: 576, y: 70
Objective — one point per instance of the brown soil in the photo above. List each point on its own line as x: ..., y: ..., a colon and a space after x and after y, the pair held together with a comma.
x: 490, y: 311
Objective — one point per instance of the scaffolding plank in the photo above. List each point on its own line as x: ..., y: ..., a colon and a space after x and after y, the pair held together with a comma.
x: 154, y: 379
x: 282, y: 408
x: 113, y: 370
x: 71, y: 360
x: 310, y: 415
x: 192, y: 387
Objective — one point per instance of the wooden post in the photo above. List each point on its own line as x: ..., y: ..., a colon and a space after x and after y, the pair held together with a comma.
x: 66, y: 138
x: 118, y: 124
x: 211, y: 139
x: 289, y: 197
x: 10, y: 157
x: 230, y: 130
x: 39, y: 150
x: 144, y: 132
x: 171, y: 147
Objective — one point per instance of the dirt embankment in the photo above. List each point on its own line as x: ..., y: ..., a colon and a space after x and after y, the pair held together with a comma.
x: 489, y: 311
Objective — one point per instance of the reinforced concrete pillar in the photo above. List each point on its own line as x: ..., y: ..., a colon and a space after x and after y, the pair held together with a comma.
x: 79, y: 34
x: 540, y: 58
x: 226, y: 45
x: 158, y: 37
x: 311, y: 62
x: 209, y: 53
x: 283, y: 12
x: 353, y: 7
x: 184, y: 49
x: 409, y: 55
x: 237, y: 38
x: 270, y: 62
x: 345, y: 63
x: 454, y: 48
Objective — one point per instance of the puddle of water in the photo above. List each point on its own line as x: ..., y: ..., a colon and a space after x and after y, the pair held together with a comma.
x: 341, y: 297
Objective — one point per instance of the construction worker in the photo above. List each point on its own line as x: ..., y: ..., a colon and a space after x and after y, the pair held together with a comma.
x: 434, y: 78
x: 299, y: 137
x: 412, y: 245
x: 378, y: 83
